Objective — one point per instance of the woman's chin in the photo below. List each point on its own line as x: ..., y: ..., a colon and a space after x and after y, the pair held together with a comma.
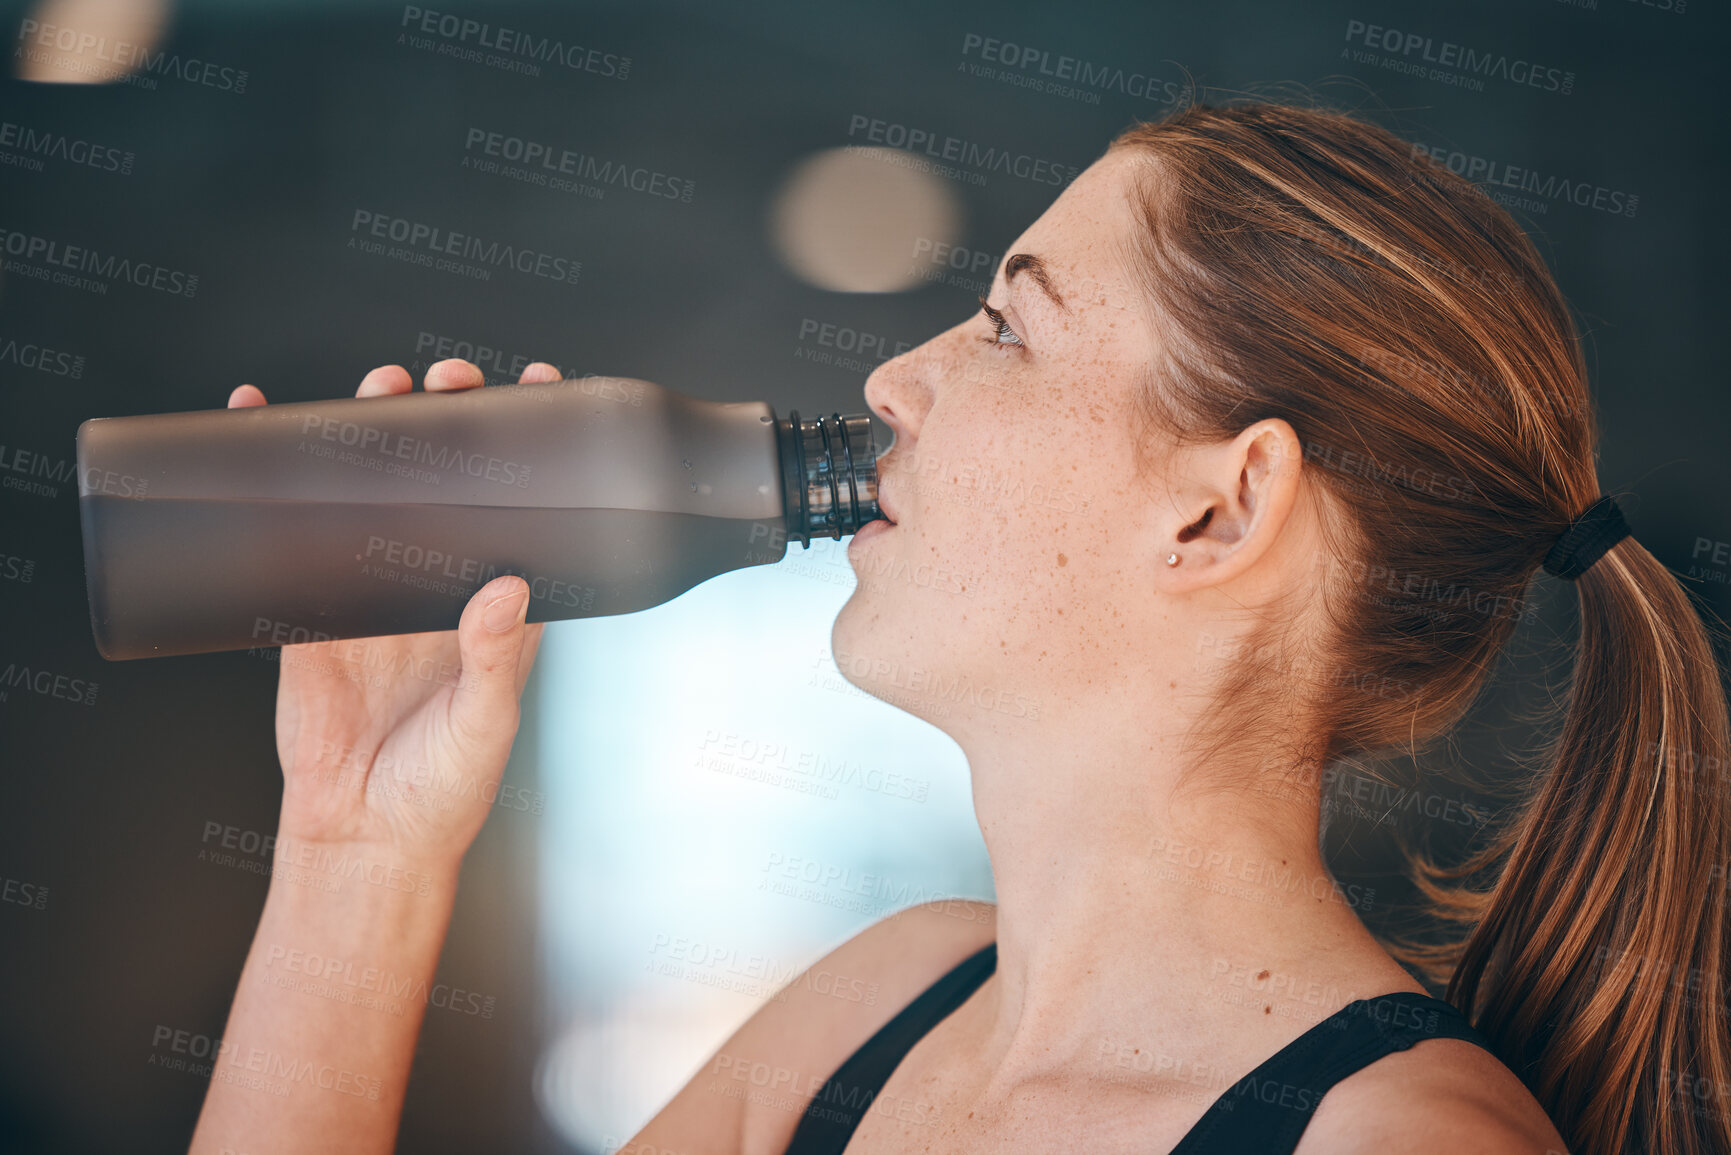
x: 854, y: 622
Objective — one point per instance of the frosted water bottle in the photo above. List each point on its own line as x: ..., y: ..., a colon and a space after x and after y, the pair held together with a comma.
x: 268, y: 525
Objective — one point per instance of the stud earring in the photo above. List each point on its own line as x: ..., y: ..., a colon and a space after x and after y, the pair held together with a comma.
x: 1171, y: 559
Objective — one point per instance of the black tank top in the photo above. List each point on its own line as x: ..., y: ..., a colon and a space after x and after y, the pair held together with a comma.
x: 1266, y: 1111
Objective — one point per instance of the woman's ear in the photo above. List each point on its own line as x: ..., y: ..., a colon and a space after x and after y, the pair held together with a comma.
x: 1231, y: 500
x: 1194, y: 530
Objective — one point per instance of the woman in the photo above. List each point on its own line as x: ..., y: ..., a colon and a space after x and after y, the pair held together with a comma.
x: 1248, y: 357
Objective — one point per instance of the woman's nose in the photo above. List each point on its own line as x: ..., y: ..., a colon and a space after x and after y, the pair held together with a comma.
x: 899, y: 392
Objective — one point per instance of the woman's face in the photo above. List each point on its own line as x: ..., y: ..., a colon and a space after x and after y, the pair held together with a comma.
x: 1019, y: 567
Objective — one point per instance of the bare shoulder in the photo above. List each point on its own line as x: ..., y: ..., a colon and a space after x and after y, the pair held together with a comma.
x: 749, y: 1095
x: 1440, y: 1097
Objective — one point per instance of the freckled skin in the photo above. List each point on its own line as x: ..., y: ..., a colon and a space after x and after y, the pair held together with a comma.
x: 1071, y: 665
x: 1002, y: 450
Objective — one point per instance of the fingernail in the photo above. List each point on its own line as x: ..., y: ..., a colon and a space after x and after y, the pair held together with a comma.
x: 506, y: 610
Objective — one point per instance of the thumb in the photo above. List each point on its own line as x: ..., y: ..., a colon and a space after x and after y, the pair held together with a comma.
x: 490, y: 637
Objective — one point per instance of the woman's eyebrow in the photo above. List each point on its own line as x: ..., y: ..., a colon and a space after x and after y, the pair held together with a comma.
x: 1036, y: 269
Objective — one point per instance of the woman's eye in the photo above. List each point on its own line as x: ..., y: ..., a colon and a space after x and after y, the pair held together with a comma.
x: 1002, y: 333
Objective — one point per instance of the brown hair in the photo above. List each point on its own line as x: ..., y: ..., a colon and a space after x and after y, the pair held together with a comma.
x: 1306, y: 265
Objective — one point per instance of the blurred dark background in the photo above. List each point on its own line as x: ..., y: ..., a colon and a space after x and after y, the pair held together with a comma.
x: 251, y: 185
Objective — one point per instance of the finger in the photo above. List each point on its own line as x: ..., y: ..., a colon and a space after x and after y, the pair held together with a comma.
x: 490, y: 639
x: 245, y: 397
x: 539, y: 371
x: 531, y: 647
x: 385, y: 380
x: 452, y: 373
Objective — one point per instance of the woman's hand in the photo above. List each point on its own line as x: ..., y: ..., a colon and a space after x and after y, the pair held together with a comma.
x: 391, y: 750
x: 394, y: 746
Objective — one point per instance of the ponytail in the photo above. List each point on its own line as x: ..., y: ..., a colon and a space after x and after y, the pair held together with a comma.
x: 1309, y: 266
x: 1597, y: 968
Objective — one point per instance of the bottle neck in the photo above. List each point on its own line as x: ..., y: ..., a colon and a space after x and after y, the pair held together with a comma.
x: 829, y: 475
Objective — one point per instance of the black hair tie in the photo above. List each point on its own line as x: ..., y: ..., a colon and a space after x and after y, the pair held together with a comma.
x: 1599, y: 527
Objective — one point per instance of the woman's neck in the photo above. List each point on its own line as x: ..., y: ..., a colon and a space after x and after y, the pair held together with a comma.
x: 1132, y: 887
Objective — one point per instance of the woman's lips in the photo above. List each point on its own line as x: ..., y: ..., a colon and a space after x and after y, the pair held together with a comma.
x: 872, y: 529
